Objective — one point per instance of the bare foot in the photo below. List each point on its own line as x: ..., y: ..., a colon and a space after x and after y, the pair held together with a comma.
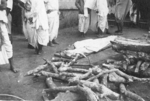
x: 14, y: 70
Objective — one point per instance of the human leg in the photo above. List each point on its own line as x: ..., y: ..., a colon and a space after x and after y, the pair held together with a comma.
x: 8, y: 47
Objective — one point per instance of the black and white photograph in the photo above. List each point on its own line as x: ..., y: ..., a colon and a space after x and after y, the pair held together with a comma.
x: 74, y: 50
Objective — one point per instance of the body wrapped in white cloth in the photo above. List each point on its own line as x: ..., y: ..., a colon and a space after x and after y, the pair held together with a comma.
x: 90, y: 45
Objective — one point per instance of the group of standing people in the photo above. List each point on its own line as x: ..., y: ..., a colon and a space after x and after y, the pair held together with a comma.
x: 40, y: 26
x: 41, y: 23
x: 97, y: 11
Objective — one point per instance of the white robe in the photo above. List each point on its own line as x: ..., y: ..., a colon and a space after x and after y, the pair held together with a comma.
x: 83, y: 23
x: 53, y: 18
x: 102, y: 8
x: 37, y: 32
x: 91, y: 4
x: 10, y: 6
x: 6, y: 51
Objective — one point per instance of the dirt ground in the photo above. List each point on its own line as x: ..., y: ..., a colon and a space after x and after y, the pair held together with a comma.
x: 30, y: 88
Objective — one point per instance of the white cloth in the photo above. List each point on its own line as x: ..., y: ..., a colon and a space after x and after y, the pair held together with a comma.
x: 102, y: 7
x: 37, y: 30
x: 10, y: 4
x: 3, y: 16
x: 9, y: 23
x: 52, y: 4
x: 83, y: 23
x: 90, y: 45
x: 38, y: 13
x: 91, y: 4
x: 53, y: 20
x: 6, y: 50
x: 93, y: 21
x: 102, y: 22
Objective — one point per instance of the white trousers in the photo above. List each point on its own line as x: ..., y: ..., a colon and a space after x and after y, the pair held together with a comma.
x: 102, y: 22
x: 6, y: 51
x: 53, y: 21
x: 35, y: 36
x: 83, y: 23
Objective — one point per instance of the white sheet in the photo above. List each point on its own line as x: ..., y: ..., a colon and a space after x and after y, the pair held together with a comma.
x: 90, y: 45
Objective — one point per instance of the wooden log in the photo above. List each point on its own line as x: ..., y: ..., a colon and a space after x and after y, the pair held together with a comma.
x: 60, y: 55
x: 86, y: 91
x: 96, y: 87
x: 101, y: 73
x: 74, y: 60
x: 104, y: 80
x: 129, y: 44
x: 70, y: 69
x: 138, y: 65
x: 130, y: 94
x: 144, y: 66
x: 113, y: 77
x: 54, y: 68
x: 69, y: 74
x: 37, y: 69
x: 60, y: 59
x: 111, y: 66
x: 131, y: 78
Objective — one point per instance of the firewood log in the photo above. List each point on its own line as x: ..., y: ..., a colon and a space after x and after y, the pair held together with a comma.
x: 129, y: 44
x: 49, y: 82
x: 86, y: 91
x: 104, y: 80
x: 54, y: 68
x: 61, y: 55
x: 131, y: 78
x: 113, y: 77
x: 54, y: 75
x: 74, y: 60
x: 130, y: 94
x: 81, y: 77
x: 144, y: 66
x: 37, y: 69
x: 69, y: 74
x: 110, y: 66
x: 78, y: 70
x: 96, y: 87
x: 60, y: 59
x: 102, y: 73
x: 137, y: 68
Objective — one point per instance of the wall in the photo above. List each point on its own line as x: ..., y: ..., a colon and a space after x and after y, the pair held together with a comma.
x: 69, y: 13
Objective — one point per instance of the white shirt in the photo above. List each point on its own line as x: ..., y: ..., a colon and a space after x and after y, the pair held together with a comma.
x: 52, y: 4
x: 3, y: 16
x: 10, y: 4
x: 102, y: 7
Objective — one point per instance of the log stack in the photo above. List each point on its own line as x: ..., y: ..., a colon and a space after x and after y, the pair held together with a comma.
x: 96, y: 83
x: 136, y: 54
x: 92, y: 84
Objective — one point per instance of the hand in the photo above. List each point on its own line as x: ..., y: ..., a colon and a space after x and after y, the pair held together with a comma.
x: 81, y: 11
x: 8, y: 11
x: 30, y: 20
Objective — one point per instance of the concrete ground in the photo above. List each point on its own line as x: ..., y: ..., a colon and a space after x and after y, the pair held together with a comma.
x: 30, y: 88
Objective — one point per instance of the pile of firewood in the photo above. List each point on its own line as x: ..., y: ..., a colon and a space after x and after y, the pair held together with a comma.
x: 136, y: 56
x: 95, y: 83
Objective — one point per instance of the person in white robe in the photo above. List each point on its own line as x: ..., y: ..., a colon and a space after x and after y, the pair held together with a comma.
x: 52, y: 7
x: 102, y: 8
x: 9, y: 9
x: 83, y: 24
x: 36, y: 24
x: 90, y: 11
x: 6, y: 50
